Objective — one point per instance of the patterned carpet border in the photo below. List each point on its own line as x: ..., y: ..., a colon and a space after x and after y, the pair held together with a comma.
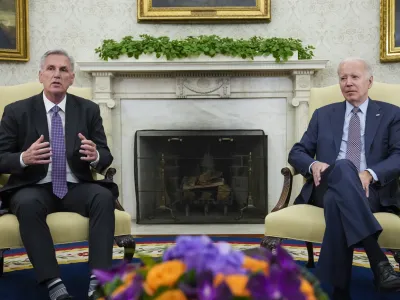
x: 17, y: 259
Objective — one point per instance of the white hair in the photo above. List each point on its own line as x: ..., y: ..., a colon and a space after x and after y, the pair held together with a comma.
x: 57, y: 52
x: 367, y: 66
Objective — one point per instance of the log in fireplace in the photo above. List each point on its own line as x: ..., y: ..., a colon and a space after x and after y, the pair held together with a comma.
x: 201, y: 176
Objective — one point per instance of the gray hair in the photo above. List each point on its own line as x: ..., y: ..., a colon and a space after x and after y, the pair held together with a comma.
x: 57, y: 52
x: 367, y: 66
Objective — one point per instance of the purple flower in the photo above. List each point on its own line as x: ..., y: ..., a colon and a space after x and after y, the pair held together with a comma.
x: 261, y: 253
x: 280, y: 284
x: 205, y: 289
x: 108, y: 275
x: 286, y: 261
x: 199, y: 253
x: 132, y: 291
x: 186, y: 245
x: 223, y: 292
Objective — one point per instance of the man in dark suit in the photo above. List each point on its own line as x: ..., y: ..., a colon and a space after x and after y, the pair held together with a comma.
x: 49, y: 143
x: 350, y: 156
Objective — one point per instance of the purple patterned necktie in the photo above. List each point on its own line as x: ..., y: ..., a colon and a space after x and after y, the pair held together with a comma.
x: 58, y: 162
x: 353, y: 152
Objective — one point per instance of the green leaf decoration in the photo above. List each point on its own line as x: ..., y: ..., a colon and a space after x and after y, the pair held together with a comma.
x: 147, y: 260
x: 110, y: 287
x: 280, y: 48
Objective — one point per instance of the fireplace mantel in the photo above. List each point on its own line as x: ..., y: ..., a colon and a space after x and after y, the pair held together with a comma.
x: 123, y: 86
x: 222, y: 69
x: 146, y: 67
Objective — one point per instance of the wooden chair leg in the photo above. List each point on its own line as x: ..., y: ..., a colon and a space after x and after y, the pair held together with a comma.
x: 2, y: 260
x: 129, y: 244
x: 270, y: 242
x: 310, y: 251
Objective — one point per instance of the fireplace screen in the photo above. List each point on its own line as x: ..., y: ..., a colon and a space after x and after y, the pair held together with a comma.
x: 200, y: 176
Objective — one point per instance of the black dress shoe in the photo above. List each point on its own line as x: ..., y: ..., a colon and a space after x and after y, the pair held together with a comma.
x: 64, y: 297
x: 386, y: 278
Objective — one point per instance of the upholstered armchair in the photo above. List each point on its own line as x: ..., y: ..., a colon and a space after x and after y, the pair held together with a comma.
x: 65, y: 227
x: 305, y: 222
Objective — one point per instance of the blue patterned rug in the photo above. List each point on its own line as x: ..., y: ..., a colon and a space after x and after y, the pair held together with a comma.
x: 18, y: 281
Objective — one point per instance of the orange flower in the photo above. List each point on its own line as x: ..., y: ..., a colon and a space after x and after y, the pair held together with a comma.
x: 119, y: 290
x: 218, y: 279
x: 255, y: 265
x: 307, y: 289
x: 165, y: 274
x: 236, y: 283
x: 128, y: 277
x: 147, y: 289
x: 172, y: 295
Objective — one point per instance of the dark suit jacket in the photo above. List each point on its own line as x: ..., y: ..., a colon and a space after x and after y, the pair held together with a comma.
x: 24, y: 121
x: 382, y: 147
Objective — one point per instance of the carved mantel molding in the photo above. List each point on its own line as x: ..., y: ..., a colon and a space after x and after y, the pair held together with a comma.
x: 202, y: 79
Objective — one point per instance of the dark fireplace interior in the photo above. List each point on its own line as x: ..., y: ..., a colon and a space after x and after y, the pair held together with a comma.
x: 201, y: 176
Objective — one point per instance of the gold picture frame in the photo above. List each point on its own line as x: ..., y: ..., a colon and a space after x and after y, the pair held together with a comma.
x: 14, y: 38
x: 390, y: 31
x: 203, y: 10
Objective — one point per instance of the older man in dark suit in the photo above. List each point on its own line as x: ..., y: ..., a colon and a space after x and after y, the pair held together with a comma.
x: 49, y: 143
x: 350, y: 156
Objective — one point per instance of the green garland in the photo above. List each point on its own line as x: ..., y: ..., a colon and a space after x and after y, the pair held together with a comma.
x: 280, y: 48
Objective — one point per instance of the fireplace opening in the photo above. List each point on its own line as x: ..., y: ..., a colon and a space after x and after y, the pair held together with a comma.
x: 201, y: 176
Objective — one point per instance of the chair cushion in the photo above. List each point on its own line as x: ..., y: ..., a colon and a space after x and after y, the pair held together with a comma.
x: 65, y: 227
x: 307, y: 223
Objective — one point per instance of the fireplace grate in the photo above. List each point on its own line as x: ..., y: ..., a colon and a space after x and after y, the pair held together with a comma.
x: 201, y: 176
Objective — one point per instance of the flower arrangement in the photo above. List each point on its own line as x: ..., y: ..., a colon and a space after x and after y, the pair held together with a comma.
x: 196, y: 268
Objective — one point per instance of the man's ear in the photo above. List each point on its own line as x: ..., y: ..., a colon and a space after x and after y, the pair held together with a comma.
x: 371, y: 81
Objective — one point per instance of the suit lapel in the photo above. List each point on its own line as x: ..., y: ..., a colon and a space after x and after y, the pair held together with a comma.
x: 337, y: 122
x: 373, y: 119
x: 40, y: 122
x: 71, y: 123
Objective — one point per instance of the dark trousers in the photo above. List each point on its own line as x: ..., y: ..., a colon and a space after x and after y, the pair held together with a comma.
x: 349, y: 219
x: 32, y: 204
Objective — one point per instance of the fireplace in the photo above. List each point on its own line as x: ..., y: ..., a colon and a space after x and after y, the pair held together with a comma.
x: 200, y: 176
x: 207, y: 95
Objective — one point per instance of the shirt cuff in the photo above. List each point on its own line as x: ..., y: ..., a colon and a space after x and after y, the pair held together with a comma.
x: 21, y: 162
x: 94, y: 163
x: 309, y: 168
x: 373, y: 175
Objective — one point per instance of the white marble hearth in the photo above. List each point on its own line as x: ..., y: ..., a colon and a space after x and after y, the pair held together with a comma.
x: 194, y: 95
x: 197, y: 229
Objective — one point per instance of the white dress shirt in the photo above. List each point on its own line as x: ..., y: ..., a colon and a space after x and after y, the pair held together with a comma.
x: 49, y: 105
x: 362, y: 113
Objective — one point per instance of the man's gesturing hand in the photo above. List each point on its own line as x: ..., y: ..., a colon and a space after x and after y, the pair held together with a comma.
x: 317, y: 169
x: 88, y: 148
x: 38, y: 153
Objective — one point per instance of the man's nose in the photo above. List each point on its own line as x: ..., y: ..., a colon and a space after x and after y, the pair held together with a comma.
x: 349, y: 82
x: 57, y: 73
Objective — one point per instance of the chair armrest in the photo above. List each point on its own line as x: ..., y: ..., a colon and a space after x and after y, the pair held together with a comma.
x: 109, y: 174
x: 292, y: 170
x: 288, y: 173
x: 4, y: 179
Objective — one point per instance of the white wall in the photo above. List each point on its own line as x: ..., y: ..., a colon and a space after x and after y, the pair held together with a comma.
x: 337, y: 28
